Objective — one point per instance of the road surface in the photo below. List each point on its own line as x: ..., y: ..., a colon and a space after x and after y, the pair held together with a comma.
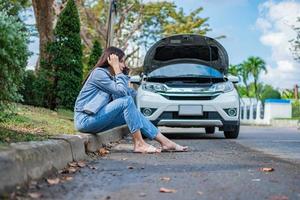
x: 214, y: 168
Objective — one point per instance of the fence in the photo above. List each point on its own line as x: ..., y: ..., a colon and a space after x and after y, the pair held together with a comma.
x: 255, y: 112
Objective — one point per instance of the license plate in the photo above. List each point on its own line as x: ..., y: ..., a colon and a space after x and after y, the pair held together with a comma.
x: 190, y: 110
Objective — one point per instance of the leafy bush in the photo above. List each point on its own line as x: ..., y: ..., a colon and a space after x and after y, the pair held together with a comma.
x: 13, y: 60
x: 296, y: 109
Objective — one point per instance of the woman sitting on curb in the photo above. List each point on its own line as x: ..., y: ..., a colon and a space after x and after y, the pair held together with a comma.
x: 105, y: 101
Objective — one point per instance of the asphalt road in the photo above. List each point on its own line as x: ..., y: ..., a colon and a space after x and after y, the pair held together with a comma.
x: 214, y: 168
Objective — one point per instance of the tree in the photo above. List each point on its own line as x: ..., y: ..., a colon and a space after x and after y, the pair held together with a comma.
x: 288, y: 94
x: 94, y: 56
x: 234, y: 70
x: 12, y: 7
x: 268, y: 92
x: 137, y: 24
x: 255, y: 65
x: 244, y: 71
x: 181, y: 23
x: 65, y: 67
x: 296, y: 42
x: 13, y: 59
x: 44, y: 17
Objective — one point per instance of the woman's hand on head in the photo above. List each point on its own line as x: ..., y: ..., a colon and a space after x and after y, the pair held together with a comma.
x: 113, y: 61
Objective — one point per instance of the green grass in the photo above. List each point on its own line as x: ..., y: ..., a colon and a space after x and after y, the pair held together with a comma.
x: 35, y: 123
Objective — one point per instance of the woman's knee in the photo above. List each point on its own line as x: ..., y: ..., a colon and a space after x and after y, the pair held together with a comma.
x: 127, y: 100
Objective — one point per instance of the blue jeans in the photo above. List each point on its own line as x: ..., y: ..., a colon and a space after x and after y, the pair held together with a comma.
x: 116, y: 113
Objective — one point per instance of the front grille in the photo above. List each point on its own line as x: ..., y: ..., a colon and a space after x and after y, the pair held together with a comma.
x: 187, y: 98
x: 206, y: 115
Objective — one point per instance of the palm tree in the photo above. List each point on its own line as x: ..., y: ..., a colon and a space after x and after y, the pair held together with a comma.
x: 234, y: 70
x: 244, y: 71
x: 255, y: 65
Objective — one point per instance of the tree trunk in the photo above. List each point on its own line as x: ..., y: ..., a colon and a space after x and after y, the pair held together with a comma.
x: 44, y: 16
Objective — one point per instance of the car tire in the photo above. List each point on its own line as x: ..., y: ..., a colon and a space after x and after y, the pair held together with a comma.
x: 232, y: 134
x: 210, y: 130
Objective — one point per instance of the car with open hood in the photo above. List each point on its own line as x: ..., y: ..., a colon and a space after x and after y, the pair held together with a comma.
x: 185, y: 83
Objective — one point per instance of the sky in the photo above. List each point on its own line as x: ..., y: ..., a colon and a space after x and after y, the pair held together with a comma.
x: 252, y: 28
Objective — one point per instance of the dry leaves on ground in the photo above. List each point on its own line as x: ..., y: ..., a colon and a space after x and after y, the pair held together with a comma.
x: 103, y: 151
x: 67, y: 178
x: 81, y: 164
x: 267, y: 169
x: 53, y: 181
x: 73, y: 167
x: 167, y: 190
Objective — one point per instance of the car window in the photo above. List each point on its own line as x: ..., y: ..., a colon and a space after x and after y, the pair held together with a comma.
x: 185, y: 69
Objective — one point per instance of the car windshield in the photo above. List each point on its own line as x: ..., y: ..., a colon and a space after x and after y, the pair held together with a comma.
x: 185, y: 70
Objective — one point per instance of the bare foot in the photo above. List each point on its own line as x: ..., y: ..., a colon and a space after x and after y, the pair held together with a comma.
x: 146, y: 148
x: 174, y: 147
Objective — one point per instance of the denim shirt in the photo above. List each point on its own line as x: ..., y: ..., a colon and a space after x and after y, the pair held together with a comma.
x: 100, y: 88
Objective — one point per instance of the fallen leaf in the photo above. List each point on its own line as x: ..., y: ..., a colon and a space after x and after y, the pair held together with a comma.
x: 67, y: 178
x: 166, y: 190
x: 103, y: 151
x: 130, y: 167
x: 278, y: 197
x: 267, y: 169
x: 165, y: 178
x: 71, y: 170
x: 81, y: 164
x: 35, y: 195
x: 72, y: 164
x: 53, y: 181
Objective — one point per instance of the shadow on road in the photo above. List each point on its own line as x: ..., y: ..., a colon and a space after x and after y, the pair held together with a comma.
x: 199, y: 136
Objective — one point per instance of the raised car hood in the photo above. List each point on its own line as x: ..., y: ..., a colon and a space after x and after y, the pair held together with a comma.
x: 186, y: 48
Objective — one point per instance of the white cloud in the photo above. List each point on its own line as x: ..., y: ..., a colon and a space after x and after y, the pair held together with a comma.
x: 275, y: 21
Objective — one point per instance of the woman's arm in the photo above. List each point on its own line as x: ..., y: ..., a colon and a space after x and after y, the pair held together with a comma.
x: 101, y: 79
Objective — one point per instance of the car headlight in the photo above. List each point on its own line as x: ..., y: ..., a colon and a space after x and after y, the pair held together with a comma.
x: 154, y: 87
x: 222, y: 87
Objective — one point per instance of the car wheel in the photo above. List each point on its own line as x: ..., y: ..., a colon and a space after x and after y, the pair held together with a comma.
x: 232, y: 134
x: 209, y: 130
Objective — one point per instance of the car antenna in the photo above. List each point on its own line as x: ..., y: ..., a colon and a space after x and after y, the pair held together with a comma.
x: 210, y: 59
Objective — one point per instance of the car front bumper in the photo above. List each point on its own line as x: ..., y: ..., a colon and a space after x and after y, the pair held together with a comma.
x: 214, y: 110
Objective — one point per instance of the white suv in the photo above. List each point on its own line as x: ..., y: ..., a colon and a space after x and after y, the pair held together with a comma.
x: 185, y: 84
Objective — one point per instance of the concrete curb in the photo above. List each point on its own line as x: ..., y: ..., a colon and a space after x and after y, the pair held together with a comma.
x: 20, y: 162
x: 285, y: 123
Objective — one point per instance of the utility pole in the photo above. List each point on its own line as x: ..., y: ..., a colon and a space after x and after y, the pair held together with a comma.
x: 296, y: 94
x: 110, y: 23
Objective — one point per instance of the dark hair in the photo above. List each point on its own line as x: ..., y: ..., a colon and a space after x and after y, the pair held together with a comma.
x: 102, y: 62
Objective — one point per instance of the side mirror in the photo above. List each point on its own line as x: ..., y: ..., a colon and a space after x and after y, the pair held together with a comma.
x: 233, y: 79
x: 135, y: 79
